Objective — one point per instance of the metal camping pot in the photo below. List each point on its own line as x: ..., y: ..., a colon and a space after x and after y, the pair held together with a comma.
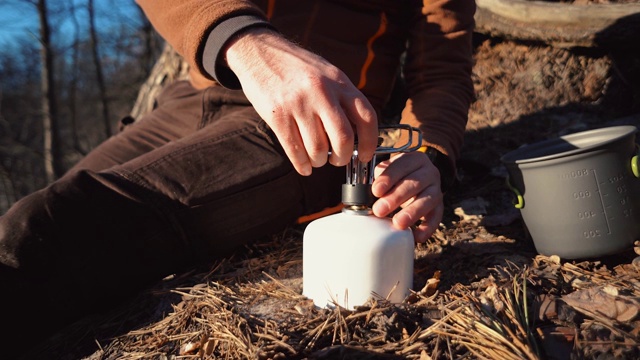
x: 579, y: 194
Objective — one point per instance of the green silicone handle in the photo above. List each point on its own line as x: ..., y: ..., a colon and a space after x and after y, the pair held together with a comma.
x: 519, y: 203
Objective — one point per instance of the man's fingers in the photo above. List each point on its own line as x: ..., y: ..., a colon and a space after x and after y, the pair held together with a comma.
x: 426, y: 228
x: 336, y: 127
x: 410, y: 182
x: 340, y: 135
x: 364, y: 118
x: 411, y: 169
x: 315, y: 140
x: 289, y: 136
x: 422, y: 204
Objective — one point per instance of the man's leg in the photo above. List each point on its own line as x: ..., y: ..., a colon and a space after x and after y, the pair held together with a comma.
x: 48, y: 238
x: 178, y: 113
x: 93, y: 238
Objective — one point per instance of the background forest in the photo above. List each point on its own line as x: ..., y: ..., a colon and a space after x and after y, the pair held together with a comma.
x: 69, y: 71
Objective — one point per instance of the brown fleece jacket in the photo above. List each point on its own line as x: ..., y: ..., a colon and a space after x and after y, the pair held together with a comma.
x: 367, y: 39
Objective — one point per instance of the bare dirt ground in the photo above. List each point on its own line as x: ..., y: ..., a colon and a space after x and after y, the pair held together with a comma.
x: 480, y: 289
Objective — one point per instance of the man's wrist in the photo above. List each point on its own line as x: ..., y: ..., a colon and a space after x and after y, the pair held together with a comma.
x: 245, y: 41
x: 213, y: 55
x: 442, y: 163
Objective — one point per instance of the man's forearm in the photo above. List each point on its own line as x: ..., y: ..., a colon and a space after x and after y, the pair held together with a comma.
x: 188, y: 24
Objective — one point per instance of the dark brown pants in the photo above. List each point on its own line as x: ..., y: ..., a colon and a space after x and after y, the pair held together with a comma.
x: 195, y: 179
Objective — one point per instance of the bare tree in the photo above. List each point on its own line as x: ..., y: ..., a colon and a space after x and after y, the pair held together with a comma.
x: 48, y: 116
x: 52, y: 156
x: 98, y: 67
x: 73, y: 79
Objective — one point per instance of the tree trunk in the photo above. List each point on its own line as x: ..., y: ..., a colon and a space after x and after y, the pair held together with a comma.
x: 98, y: 66
x: 52, y: 154
x: 73, y: 81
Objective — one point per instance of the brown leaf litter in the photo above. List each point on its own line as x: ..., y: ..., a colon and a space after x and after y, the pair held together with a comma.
x: 249, y: 311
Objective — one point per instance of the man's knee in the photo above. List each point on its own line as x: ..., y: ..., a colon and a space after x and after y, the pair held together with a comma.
x: 23, y: 234
x: 8, y: 256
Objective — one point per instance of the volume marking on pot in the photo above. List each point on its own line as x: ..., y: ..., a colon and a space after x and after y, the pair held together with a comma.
x: 602, y: 195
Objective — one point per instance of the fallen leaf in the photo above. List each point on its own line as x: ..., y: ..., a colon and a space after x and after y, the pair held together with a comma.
x: 603, y: 300
x: 424, y: 356
x: 188, y: 348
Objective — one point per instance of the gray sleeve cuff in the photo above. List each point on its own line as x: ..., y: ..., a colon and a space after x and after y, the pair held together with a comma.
x: 212, y: 61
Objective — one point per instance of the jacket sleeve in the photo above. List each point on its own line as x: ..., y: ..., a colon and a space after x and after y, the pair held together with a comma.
x: 199, y: 29
x: 437, y: 72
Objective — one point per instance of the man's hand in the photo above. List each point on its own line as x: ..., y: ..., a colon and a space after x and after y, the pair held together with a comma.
x: 310, y: 104
x: 412, y: 182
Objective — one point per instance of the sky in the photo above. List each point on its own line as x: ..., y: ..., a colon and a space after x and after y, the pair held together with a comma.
x: 16, y: 19
x: 19, y: 18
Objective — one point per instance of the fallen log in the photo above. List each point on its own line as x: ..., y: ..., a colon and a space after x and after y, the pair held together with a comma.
x: 561, y: 24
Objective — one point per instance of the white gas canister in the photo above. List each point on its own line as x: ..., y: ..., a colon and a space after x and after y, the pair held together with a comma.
x: 353, y: 255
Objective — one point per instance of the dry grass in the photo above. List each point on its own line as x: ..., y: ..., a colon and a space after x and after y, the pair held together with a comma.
x: 253, y: 309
